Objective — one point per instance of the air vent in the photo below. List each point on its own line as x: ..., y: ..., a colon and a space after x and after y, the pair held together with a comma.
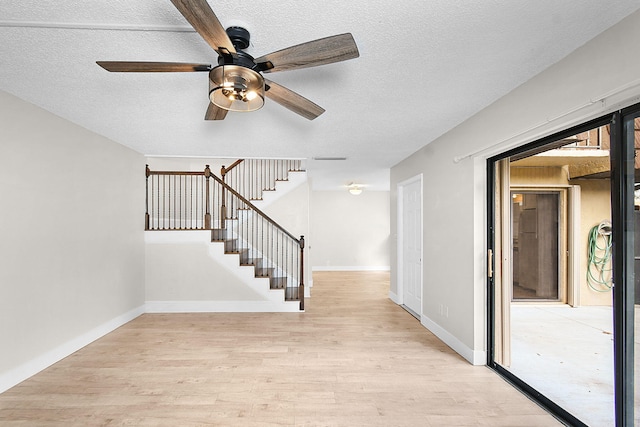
x: 329, y: 158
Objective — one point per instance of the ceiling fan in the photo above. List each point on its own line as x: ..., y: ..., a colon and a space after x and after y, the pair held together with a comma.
x: 236, y: 83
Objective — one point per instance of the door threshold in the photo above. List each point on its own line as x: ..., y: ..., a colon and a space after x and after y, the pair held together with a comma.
x: 411, y: 312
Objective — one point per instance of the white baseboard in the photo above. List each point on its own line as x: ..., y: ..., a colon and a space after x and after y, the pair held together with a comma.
x: 307, y: 289
x: 350, y: 268
x: 222, y: 306
x: 475, y: 357
x: 32, y: 367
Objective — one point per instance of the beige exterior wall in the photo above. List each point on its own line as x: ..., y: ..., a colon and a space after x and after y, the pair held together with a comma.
x: 538, y: 176
x: 596, y: 207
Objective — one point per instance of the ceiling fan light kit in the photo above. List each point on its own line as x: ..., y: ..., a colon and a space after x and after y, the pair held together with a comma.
x: 237, y: 84
x: 236, y: 88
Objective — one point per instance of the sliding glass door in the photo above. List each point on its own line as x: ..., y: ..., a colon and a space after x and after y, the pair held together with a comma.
x: 562, y: 219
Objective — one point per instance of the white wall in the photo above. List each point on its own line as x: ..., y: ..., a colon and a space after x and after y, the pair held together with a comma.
x: 71, y: 237
x: 597, y: 78
x: 187, y: 266
x: 349, y: 232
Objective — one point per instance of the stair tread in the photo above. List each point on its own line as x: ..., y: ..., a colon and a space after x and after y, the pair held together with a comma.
x: 264, y: 272
x: 291, y: 294
x: 218, y: 234
x: 251, y: 261
x: 278, y: 282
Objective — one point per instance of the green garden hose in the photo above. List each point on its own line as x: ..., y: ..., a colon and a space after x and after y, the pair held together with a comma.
x: 599, y: 277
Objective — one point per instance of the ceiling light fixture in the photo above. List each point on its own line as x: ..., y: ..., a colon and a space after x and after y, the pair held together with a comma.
x: 236, y: 88
x: 355, y: 189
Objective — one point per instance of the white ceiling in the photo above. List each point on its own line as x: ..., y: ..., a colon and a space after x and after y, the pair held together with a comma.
x: 424, y: 67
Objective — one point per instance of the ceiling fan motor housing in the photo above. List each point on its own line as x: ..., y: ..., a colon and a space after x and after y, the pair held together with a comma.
x: 240, y: 58
x: 239, y: 37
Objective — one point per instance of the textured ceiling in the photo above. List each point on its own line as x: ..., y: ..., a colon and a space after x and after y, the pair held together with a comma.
x: 424, y: 67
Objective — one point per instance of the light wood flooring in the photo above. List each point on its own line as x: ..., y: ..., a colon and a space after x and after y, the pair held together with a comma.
x: 354, y: 358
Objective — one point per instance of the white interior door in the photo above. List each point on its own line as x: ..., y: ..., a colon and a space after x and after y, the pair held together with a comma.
x: 412, y: 245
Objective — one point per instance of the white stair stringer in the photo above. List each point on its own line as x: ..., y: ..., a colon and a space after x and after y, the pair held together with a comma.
x: 233, y: 287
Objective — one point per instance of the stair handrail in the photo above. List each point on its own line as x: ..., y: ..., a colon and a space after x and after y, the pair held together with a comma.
x: 224, y: 170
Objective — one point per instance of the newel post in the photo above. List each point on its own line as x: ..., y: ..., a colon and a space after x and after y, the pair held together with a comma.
x: 301, y: 287
x: 146, y: 199
x: 223, y: 205
x: 207, y: 214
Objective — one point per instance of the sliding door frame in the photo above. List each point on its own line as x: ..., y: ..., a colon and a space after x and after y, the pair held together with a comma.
x: 622, y: 212
x: 622, y: 205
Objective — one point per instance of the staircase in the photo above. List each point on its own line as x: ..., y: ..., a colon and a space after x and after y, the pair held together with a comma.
x: 204, y: 201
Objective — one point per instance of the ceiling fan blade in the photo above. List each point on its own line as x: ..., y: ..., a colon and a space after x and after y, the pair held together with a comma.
x: 215, y: 113
x: 291, y: 100
x: 206, y: 23
x: 318, y: 52
x: 151, y: 67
